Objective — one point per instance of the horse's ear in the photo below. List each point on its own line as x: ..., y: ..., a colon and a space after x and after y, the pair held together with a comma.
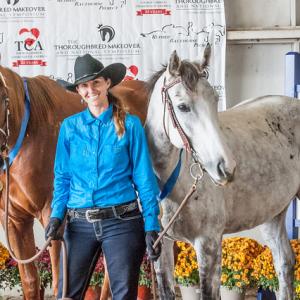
x: 204, y: 62
x: 174, y: 64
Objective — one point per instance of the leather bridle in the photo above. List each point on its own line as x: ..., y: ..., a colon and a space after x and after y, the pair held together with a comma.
x: 167, y: 102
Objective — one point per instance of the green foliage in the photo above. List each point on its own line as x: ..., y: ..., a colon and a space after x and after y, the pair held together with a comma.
x: 271, y: 284
x: 9, y: 276
x: 191, y: 280
x: 98, y: 274
x: 145, y: 272
x: 44, y: 269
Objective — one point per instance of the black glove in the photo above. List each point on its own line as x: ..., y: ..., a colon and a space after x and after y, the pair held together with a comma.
x: 52, y: 229
x: 151, y: 237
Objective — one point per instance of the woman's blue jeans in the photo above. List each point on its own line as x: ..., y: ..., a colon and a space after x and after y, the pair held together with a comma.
x: 123, y: 244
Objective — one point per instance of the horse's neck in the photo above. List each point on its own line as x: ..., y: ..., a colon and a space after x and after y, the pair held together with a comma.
x: 44, y: 117
x: 164, y: 154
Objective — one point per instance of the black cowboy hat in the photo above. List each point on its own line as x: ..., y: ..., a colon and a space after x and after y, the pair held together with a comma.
x: 88, y: 68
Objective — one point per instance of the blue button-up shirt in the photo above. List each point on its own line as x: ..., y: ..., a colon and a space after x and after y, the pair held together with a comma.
x: 95, y: 168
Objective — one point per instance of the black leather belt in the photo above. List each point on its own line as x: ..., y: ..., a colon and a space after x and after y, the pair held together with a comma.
x: 97, y: 213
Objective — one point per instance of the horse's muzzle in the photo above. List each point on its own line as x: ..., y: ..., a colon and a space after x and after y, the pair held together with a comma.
x: 225, y: 176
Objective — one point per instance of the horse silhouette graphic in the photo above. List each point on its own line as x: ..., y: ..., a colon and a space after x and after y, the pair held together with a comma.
x: 212, y: 32
x: 107, y: 33
x: 10, y: 2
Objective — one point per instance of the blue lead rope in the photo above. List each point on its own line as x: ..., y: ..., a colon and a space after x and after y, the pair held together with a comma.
x: 169, y: 185
x: 16, y: 148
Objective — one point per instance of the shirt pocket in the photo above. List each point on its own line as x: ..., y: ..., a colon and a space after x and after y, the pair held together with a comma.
x: 80, y: 154
x: 114, y: 156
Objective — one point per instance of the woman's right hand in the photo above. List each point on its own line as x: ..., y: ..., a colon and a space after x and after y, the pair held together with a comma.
x: 52, y: 229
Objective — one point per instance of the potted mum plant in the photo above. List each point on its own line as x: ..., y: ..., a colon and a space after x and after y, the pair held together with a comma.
x: 296, y: 248
x: 264, y: 271
x: 237, y: 258
x: 186, y: 271
x: 9, y: 273
x: 145, y: 282
x: 45, y: 271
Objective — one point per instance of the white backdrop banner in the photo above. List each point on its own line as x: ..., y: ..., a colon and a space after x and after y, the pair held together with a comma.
x: 45, y: 36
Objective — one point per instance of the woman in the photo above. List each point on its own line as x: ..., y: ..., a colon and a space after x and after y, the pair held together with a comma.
x: 101, y: 163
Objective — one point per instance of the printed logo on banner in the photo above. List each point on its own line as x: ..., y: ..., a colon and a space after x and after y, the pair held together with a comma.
x: 131, y: 73
x: 153, y: 11
x: 9, y: 9
x: 155, y: 7
x: 107, y: 48
x: 29, y: 49
x: 107, y: 33
x: 189, y: 34
x: 199, y: 5
x: 107, y: 5
x: 112, y: 4
x: 13, y: 2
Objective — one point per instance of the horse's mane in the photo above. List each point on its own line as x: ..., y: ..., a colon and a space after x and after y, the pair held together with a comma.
x: 189, y: 72
x: 45, y: 95
x: 150, y: 83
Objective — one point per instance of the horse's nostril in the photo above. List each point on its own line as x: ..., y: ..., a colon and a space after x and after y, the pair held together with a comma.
x: 223, y: 173
x: 221, y: 168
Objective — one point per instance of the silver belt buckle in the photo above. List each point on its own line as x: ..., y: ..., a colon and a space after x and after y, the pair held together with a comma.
x: 131, y: 206
x: 87, y: 216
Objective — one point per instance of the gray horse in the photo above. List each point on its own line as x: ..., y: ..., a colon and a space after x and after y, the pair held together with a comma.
x: 255, y: 143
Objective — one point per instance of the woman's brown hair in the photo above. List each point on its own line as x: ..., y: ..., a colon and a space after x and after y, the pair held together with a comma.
x: 119, y: 113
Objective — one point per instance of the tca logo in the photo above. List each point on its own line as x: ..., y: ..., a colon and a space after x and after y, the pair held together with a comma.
x: 30, y: 40
x: 107, y: 33
x: 13, y: 2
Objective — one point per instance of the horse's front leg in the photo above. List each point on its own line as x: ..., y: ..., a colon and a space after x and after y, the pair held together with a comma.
x: 22, y: 242
x: 209, y: 254
x: 275, y: 235
x: 164, y: 268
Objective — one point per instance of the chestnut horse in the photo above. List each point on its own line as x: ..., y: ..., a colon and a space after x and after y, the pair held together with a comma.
x: 31, y: 175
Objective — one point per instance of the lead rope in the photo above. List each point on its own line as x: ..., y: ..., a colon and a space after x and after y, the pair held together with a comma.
x: 29, y: 260
x: 182, y: 204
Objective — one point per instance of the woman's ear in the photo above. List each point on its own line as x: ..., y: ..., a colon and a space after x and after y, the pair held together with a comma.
x: 108, y: 81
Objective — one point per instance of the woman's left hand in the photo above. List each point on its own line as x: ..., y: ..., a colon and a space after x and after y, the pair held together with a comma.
x: 151, y: 237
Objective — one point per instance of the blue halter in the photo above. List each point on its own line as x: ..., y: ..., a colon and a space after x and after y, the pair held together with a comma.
x: 16, y: 148
x: 170, y: 183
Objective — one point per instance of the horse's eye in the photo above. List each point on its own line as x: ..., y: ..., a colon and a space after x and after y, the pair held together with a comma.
x: 184, y: 108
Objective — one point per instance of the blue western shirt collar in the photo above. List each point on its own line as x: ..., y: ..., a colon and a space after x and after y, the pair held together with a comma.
x: 105, y: 116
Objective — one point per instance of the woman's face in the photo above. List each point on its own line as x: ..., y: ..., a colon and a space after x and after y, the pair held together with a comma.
x: 94, y: 92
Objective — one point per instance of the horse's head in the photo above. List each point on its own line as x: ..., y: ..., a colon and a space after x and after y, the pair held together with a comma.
x: 194, y: 103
